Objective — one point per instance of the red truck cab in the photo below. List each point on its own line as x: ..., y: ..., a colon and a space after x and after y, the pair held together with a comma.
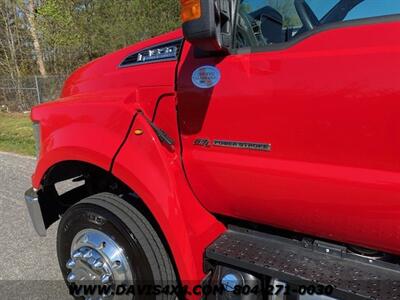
x: 256, y: 148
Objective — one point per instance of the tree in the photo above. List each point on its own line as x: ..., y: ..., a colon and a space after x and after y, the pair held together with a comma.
x: 50, y: 37
x: 288, y: 11
x: 30, y: 12
x: 13, y: 49
x: 77, y: 31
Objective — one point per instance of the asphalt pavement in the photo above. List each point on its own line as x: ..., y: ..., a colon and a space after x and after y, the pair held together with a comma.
x: 28, y: 264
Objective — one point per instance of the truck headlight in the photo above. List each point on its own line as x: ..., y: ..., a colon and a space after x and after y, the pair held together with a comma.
x: 36, y: 135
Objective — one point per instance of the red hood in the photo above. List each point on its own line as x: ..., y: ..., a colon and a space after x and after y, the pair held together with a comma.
x: 108, y: 65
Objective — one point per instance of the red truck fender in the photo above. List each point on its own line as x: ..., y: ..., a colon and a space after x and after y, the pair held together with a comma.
x: 98, y: 140
x: 149, y: 169
x: 156, y: 175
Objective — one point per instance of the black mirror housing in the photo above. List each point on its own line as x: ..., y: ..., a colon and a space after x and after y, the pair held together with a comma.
x: 209, y: 32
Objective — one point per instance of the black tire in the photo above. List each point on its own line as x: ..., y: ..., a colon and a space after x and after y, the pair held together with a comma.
x: 110, y: 214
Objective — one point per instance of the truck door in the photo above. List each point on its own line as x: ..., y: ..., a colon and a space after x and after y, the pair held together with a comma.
x: 298, y: 126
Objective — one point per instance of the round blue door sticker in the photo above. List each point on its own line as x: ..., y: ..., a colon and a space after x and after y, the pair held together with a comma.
x: 206, y: 77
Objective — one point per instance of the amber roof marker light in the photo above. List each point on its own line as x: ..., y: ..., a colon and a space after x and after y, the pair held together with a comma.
x: 190, y: 10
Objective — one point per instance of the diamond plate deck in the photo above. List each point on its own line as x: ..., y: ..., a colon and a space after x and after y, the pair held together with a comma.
x: 292, y: 262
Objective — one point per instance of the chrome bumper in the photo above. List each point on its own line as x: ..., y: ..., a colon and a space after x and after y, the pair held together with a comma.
x: 32, y: 202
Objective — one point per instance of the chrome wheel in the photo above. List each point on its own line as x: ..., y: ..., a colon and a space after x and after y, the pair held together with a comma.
x: 97, y: 259
x: 105, y: 245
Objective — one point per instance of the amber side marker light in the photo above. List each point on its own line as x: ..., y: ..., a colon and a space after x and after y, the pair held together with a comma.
x: 138, y: 132
x: 191, y: 10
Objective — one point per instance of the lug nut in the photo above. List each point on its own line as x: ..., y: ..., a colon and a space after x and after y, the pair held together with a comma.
x: 88, y: 254
x: 105, y: 279
x: 71, y: 264
x: 91, y: 261
x: 77, y: 254
x: 71, y: 278
x: 98, y: 264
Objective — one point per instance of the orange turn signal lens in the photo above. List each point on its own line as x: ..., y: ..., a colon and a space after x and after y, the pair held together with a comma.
x: 191, y: 10
x: 138, y: 132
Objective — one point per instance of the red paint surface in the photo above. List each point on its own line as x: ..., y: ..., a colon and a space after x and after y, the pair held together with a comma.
x: 155, y: 174
x: 329, y: 106
x: 89, y: 123
x: 97, y: 105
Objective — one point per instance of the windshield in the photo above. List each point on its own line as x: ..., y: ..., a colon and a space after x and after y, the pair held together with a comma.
x: 364, y: 9
x: 321, y: 8
x: 264, y: 22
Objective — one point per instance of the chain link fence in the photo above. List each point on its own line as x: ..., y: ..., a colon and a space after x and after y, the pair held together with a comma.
x: 21, y: 94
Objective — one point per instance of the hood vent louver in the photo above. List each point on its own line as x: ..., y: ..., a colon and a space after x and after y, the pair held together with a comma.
x: 158, y: 53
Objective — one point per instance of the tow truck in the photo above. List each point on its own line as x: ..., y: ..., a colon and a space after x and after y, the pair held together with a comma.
x: 256, y: 148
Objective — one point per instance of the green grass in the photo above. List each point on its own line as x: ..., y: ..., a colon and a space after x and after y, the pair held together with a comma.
x: 16, y: 134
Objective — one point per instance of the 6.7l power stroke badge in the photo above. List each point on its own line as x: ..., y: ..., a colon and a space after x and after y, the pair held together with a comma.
x: 233, y: 144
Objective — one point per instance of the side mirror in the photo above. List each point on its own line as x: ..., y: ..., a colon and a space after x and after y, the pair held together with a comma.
x: 207, y: 24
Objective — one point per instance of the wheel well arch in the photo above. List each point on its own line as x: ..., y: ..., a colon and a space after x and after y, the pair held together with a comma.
x: 79, y: 180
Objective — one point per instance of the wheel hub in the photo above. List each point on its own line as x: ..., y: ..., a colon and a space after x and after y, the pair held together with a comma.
x: 97, y: 259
